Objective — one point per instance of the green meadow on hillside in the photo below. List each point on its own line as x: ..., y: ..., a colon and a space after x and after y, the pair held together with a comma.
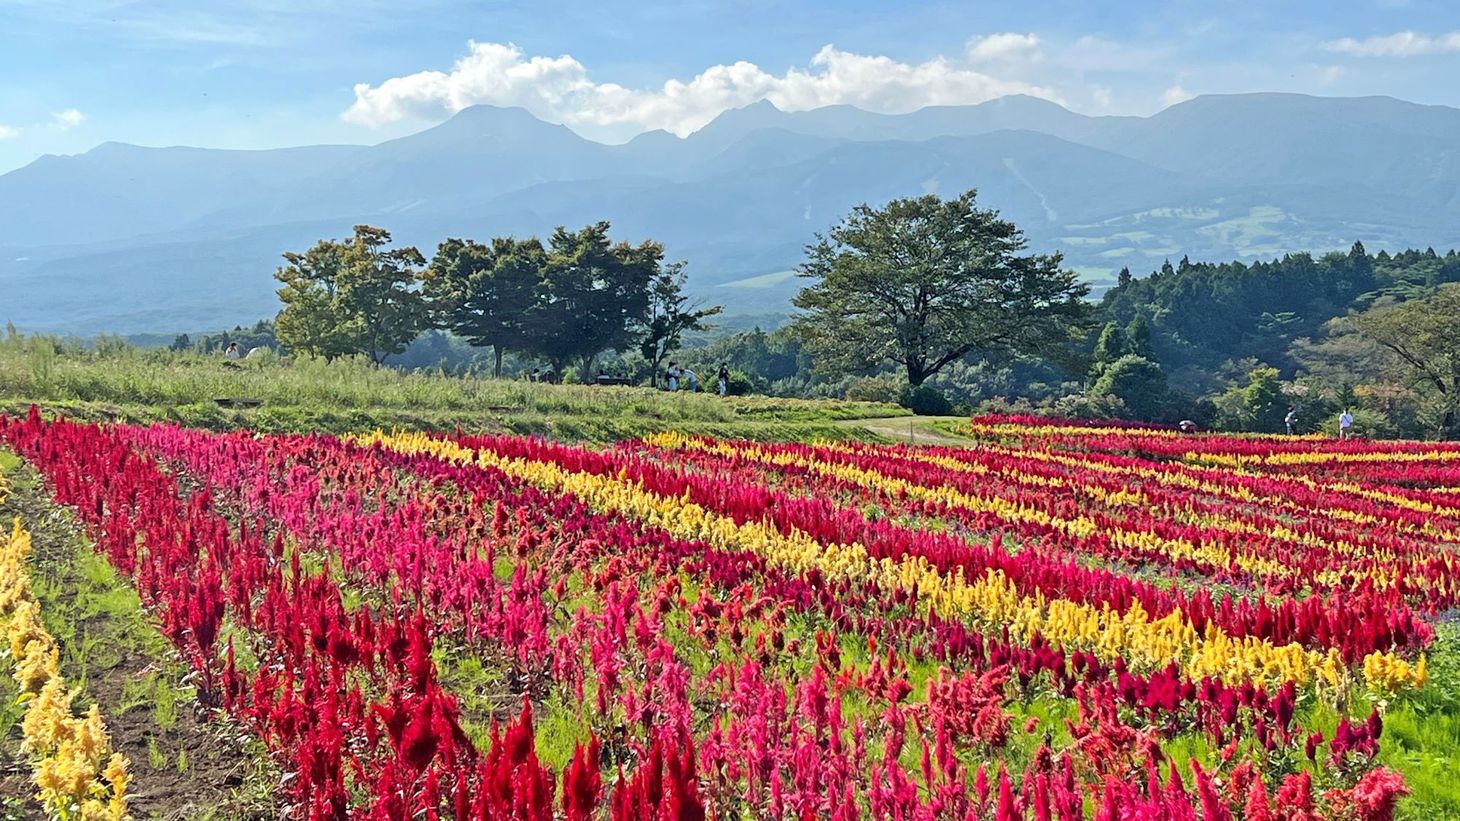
x: 124, y: 383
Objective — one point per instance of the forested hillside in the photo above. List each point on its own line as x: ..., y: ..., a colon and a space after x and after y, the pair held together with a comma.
x: 1204, y: 313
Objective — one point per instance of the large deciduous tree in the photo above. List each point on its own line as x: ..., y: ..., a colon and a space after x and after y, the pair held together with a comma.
x: 352, y: 296
x: 1424, y: 337
x: 313, y: 320
x: 594, y: 294
x: 923, y: 282
x: 484, y: 293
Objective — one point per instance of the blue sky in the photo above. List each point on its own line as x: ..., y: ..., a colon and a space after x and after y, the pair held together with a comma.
x: 263, y: 73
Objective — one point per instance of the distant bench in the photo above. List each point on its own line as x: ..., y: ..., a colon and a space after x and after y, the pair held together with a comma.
x: 613, y: 380
x: 235, y: 402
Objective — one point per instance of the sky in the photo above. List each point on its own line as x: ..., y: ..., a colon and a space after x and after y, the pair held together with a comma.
x: 269, y: 73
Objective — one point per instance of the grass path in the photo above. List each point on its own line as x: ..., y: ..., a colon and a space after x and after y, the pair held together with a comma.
x: 917, y: 430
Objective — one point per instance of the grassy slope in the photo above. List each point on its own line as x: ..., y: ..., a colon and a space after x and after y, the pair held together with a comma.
x: 146, y: 386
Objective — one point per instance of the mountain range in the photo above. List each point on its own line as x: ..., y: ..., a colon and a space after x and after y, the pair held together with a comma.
x: 126, y: 238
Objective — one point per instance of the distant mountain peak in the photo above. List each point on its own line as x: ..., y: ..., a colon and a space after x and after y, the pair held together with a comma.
x: 763, y: 104
x: 1025, y: 100
x: 759, y: 114
x: 487, y: 111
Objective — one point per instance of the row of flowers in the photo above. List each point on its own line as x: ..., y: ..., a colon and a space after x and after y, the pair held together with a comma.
x: 347, y: 698
x: 1092, y: 514
x: 74, y: 769
x: 1427, y: 466
x: 1030, y: 592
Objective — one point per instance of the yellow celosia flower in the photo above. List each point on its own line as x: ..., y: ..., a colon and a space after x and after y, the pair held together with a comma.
x: 68, y: 751
x: 39, y: 664
x: 45, y: 723
x: 117, y: 775
x: 25, y: 627
x: 1387, y: 671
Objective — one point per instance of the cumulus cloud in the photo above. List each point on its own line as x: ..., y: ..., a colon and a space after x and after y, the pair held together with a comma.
x: 68, y: 119
x: 1005, y: 46
x: 8, y: 132
x: 1399, y: 44
x: 559, y: 89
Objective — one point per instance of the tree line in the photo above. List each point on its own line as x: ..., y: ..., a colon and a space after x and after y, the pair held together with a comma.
x: 918, y: 284
x: 939, y: 304
x: 564, y: 301
x: 1239, y: 346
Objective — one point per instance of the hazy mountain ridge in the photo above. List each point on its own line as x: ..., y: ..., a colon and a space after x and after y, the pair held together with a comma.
x: 128, y: 238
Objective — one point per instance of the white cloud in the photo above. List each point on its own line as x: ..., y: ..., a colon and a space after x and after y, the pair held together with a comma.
x: 68, y: 119
x: 1331, y: 74
x: 8, y: 132
x: 1399, y: 44
x: 1175, y: 94
x: 1005, y: 46
x: 559, y: 89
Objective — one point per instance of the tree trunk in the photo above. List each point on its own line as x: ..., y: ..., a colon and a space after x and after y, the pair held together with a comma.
x: 915, y: 375
x: 497, y: 366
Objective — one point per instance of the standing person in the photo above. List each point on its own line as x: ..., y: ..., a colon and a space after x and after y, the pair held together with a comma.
x: 1291, y: 420
x: 723, y: 380
x: 232, y: 351
x: 671, y: 376
x: 692, y: 379
x: 1345, y: 424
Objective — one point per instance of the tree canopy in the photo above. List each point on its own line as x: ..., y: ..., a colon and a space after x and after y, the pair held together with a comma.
x: 1137, y: 382
x: 486, y: 292
x: 352, y: 296
x: 1424, y: 337
x: 924, y: 282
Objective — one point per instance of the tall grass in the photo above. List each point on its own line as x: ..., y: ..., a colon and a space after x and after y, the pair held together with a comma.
x: 126, y: 382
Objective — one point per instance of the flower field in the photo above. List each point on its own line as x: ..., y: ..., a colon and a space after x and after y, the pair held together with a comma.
x: 1056, y: 621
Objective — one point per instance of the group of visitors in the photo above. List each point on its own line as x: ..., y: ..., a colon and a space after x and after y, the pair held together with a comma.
x: 676, y: 376
x: 1345, y: 422
x: 235, y: 353
x: 1290, y: 422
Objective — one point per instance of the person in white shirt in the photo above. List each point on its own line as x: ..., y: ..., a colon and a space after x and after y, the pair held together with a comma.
x: 232, y: 352
x: 1291, y: 420
x: 1345, y: 424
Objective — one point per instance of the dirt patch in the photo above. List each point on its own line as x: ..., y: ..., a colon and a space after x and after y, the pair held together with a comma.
x: 185, y: 764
